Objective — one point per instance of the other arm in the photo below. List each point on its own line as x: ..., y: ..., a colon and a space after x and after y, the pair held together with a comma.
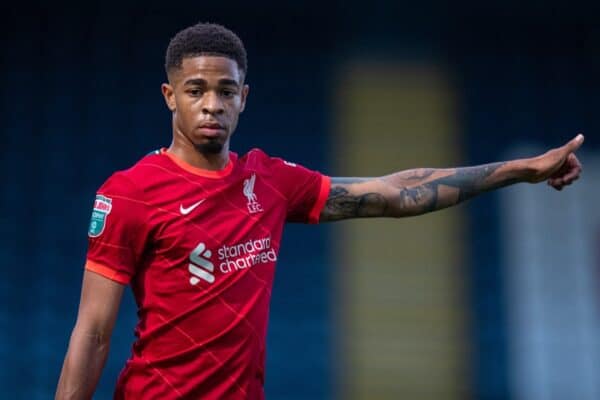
x: 419, y: 191
x: 89, y: 344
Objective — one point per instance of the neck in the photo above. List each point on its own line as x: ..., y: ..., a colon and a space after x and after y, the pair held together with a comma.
x: 186, y: 151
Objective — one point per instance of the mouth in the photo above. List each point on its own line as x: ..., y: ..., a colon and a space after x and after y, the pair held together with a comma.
x: 211, y: 129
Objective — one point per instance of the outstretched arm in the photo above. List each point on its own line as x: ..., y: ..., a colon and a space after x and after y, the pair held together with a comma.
x: 419, y: 191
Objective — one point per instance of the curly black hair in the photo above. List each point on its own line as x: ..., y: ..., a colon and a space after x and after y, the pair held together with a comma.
x: 205, y: 39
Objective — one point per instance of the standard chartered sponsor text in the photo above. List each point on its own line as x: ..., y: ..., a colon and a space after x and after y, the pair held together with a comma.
x: 245, y: 255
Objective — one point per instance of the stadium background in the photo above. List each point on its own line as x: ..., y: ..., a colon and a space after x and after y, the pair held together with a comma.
x: 496, y: 299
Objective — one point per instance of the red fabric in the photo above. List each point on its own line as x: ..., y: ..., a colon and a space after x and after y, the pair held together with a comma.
x: 202, y: 278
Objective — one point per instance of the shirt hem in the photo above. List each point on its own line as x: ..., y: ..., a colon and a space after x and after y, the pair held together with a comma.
x: 107, y: 272
x: 315, y: 212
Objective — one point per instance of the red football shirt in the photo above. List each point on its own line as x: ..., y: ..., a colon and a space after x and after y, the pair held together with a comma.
x: 199, y: 249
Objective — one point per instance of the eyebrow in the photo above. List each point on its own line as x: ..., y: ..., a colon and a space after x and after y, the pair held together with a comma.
x: 202, y: 82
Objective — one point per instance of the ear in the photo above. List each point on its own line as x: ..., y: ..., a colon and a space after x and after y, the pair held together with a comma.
x: 245, y: 90
x: 169, y: 95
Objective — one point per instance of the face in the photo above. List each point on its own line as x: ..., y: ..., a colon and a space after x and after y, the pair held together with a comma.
x: 206, y: 95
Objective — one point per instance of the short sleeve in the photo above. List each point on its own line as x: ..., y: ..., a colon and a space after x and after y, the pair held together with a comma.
x: 118, y: 230
x: 306, y: 190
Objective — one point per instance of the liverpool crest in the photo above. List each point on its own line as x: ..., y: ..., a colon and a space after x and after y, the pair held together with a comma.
x: 253, y: 204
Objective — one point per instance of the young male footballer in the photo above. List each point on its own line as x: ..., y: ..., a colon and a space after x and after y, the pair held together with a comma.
x: 195, y: 229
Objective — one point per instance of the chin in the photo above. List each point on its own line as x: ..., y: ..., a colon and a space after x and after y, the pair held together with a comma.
x: 210, y: 147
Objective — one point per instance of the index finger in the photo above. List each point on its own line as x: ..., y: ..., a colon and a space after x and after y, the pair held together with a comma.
x: 574, y: 143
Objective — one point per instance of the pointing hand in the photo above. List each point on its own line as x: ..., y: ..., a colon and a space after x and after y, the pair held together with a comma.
x: 559, y: 166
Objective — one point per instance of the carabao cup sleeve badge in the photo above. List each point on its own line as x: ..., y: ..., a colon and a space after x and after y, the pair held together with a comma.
x: 102, y: 207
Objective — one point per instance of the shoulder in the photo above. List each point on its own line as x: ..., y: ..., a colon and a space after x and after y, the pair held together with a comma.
x: 122, y: 197
x: 259, y: 161
x: 120, y: 184
x: 254, y: 158
x: 130, y: 181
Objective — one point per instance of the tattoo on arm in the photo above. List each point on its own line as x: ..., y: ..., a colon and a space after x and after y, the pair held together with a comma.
x: 411, y: 192
x: 423, y: 192
x: 341, y: 204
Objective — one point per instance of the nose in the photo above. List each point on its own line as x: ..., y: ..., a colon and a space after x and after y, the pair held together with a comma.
x: 212, y: 104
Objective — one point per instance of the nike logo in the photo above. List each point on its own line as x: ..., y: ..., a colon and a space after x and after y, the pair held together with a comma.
x: 185, y: 211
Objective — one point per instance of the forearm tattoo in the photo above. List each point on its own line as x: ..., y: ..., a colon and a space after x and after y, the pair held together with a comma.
x: 411, y: 192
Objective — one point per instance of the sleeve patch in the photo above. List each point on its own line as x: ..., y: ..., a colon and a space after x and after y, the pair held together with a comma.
x: 102, y: 207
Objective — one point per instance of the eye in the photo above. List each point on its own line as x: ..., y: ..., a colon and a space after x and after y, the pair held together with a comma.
x: 228, y: 93
x: 195, y: 92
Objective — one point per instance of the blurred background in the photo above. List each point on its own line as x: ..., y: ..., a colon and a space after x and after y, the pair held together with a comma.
x: 495, y: 299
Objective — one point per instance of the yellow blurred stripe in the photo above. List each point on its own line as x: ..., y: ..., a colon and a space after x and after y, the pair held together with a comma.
x: 401, y: 312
